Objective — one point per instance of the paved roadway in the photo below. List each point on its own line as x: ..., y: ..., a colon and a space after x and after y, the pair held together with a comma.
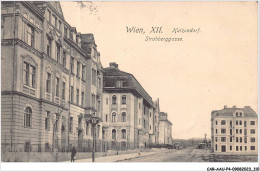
x: 184, y: 155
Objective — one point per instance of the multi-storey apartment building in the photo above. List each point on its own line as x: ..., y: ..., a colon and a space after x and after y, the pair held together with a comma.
x: 165, y: 129
x: 154, y: 134
x: 234, y: 130
x: 51, y: 79
x: 127, y: 110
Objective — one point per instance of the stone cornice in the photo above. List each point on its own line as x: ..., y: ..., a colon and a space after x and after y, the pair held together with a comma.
x: 32, y: 97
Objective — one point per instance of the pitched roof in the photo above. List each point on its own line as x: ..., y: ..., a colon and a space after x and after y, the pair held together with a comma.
x: 248, y: 112
x: 112, y: 74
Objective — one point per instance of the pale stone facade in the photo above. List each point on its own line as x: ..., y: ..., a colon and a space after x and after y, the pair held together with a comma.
x: 124, y: 96
x: 165, y: 129
x: 234, y: 130
x: 45, y: 68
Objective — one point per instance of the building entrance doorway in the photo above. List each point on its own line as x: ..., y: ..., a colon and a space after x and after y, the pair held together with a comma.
x: 223, y: 148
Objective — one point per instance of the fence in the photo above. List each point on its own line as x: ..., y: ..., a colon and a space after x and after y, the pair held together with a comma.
x: 82, y: 146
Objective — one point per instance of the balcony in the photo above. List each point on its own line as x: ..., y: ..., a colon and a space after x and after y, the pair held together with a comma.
x: 29, y: 90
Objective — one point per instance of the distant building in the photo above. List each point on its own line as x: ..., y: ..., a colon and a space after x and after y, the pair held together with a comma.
x: 165, y: 129
x: 128, y: 110
x: 234, y: 130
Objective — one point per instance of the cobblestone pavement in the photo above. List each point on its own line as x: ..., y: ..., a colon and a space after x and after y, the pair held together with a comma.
x: 184, y: 155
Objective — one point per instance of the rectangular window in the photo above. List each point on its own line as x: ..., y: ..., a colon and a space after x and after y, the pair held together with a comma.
x: 66, y: 32
x: 47, y: 120
x: 83, y: 72
x: 49, y: 46
x: 216, y: 139
x: 58, y: 52
x: 240, y: 131
x: 230, y: 123
x: 30, y: 35
x: 87, y: 128
x: 245, y: 124
x: 72, y: 65
x: 71, y: 94
x: 77, y: 98
x: 33, y: 76
x: 223, y: 131
x: 63, y: 90
x: 56, y: 22
x: 240, y: 148
x: 216, y: 122
x: 223, y: 122
x: 124, y: 99
x: 240, y: 122
x: 59, y: 25
x: 48, y: 83
x: 99, y: 82
x: 245, y: 148
x: 49, y: 15
x: 230, y: 139
x: 252, y: 131
x: 64, y: 59
x: 252, y: 139
x: 252, y: 122
x: 236, y: 122
x: 70, y: 124
x: 57, y: 86
x: 230, y: 148
x: 26, y: 73
x: 223, y: 139
x: 237, y: 139
x: 94, y: 77
x: 241, y: 140
x: 245, y: 131
x: 245, y: 138
x: 236, y: 148
x: 78, y: 68
x: 252, y: 147
x: 216, y: 131
x: 236, y: 131
x: 82, y: 99
x: 231, y: 132
x: 216, y: 147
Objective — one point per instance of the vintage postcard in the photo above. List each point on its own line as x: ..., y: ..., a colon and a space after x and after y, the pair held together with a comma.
x: 99, y: 81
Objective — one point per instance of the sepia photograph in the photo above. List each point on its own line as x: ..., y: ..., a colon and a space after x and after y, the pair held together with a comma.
x: 127, y: 82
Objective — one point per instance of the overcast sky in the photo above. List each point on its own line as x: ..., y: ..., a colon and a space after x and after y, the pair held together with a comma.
x: 204, y: 72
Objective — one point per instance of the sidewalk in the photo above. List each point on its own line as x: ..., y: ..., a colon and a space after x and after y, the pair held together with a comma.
x: 116, y: 158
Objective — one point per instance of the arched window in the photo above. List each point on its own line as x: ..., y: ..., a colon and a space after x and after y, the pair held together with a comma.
x: 114, y: 134
x: 123, y: 119
x: 113, y: 117
x: 28, y: 117
x: 123, y: 134
x: 123, y: 99
x: 114, y: 99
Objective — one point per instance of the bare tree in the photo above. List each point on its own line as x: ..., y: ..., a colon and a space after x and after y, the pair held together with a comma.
x: 89, y: 5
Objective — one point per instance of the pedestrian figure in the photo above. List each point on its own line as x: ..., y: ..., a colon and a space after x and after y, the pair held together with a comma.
x: 73, y: 154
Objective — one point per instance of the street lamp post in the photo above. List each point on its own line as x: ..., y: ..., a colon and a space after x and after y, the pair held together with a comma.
x: 94, y: 120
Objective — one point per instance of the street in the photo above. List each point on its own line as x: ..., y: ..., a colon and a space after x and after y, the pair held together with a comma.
x: 184, y: 155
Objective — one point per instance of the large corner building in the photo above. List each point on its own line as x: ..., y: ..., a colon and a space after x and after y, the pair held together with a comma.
x: 234, y: 130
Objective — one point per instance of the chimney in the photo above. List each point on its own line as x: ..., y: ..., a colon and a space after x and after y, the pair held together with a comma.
x: 234, y: 106
x: 225, y: 107
x: 247, y: 106
x: 114, y: 65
